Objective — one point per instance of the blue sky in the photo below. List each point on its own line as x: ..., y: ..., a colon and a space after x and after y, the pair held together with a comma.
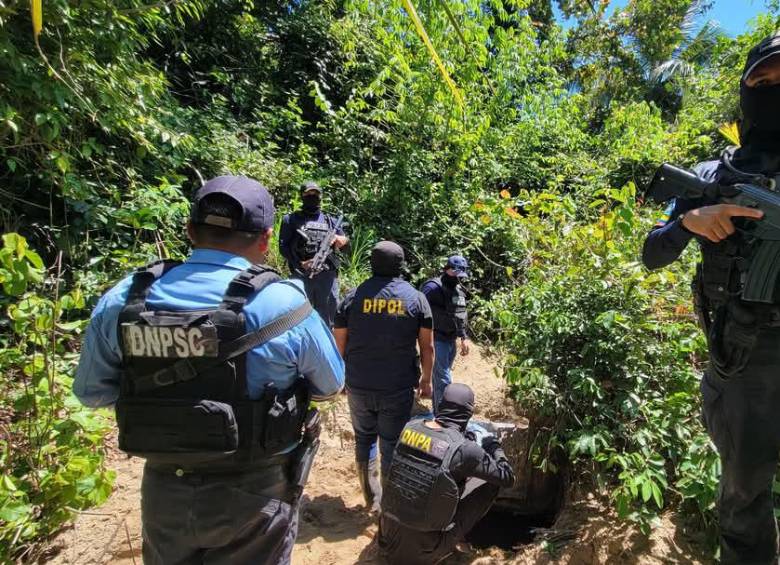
x: 733, y: 15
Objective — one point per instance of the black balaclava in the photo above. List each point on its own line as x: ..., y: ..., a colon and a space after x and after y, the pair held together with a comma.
x: 387, y: 259
x: 456, y: 406
x: 311, y: 202
x: 448, y: 280
x: 760, y: 126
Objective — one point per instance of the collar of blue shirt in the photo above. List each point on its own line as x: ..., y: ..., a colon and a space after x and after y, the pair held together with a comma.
x: 217, y: 257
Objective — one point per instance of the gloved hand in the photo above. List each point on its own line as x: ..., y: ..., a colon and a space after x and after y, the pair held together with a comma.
x: 490, y: 444
x: 475, y: 432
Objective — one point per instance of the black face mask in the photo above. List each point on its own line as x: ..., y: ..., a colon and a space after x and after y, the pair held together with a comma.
x: 449, y: 281
x: 311, y: 203
x: 456, y: 407
x: 761, y: 116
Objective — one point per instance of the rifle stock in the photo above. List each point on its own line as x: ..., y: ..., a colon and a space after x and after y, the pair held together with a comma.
x: 673, y: 182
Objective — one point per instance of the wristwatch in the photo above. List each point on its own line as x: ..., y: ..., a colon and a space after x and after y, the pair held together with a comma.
x: 682, y: 225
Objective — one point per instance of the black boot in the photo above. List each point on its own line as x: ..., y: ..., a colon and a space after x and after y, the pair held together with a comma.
x: 368, y: 475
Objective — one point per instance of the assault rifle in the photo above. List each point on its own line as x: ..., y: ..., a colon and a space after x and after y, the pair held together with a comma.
x: 760, y: 279
x: 318, y: 261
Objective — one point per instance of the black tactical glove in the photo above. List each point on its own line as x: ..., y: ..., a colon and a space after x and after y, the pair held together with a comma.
x: 490, y: 444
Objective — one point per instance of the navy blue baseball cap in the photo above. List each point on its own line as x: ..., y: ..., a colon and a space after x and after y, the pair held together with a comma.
x: 310, y: 185
x: 767, y: 49
x: 459, y: 264
x: 256, y: 204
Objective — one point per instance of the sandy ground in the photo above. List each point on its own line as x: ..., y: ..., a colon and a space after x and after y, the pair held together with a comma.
x: 335, y: 529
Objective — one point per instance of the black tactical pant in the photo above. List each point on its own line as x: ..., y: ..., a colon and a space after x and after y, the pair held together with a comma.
x: 216, y: 519
x: 742, y: 416
x: 378, y: 414
x: 323, y: 293
x: 404, y: 546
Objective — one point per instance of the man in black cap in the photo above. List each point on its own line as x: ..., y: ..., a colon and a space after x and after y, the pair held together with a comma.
x: 447, y: 298
x: 440, y: 484
x: 211, y: 364
x: 741, y: 388
x: 378, y: 326
x: 300, y: 237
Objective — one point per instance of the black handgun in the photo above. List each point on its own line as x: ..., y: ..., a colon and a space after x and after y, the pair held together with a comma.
x: 303, y: 455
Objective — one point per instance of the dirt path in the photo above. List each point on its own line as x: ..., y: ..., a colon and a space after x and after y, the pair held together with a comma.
x: 334, y: 528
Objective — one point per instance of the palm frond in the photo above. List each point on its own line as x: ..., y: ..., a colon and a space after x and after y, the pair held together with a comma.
x: 699, y: 49
x: 692, y: 18
x: 672, y: 68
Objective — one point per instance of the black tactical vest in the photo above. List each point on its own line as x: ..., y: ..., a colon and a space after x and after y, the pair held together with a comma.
x: 315, y: 231
x: 183, y: 397
x: 721, y: 273
x: 420, y: 492
x: 447, y: 320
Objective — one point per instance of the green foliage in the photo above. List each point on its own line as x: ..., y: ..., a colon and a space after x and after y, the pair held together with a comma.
x: 50, y: 447
x: 112, y: 118
x: 606, y: 352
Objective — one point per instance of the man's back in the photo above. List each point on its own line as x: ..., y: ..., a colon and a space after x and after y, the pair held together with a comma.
x: 383, y: 316
x: 199, y: 284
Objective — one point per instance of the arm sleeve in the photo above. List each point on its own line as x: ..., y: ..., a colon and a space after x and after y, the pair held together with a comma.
x: 342, y: 313
x: 433, y: 294
x: 286, y: 235
x: 319, y: 360
x: 424, y: 315
x: 99, y: 371
x: 476, y: 462
x: 668, y: 239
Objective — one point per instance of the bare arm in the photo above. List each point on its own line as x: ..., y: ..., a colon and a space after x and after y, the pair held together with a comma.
x: 340, y: 334
x: 425, y: 343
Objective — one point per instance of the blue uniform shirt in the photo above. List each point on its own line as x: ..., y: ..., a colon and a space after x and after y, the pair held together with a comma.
x: 308, y: 349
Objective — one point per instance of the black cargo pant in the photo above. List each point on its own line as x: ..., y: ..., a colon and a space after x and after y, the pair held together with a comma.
x: 216, y: 519
x: 404, y: 546
x: 742, y: 416
x: 323, y: 293
x: 378, y: 414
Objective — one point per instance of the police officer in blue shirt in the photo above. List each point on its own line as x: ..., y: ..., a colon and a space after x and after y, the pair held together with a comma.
x: 211, y: 364
x: 447, y: 298
x: 300, y: 236
x: 378, y: 326
x: 741, y: 388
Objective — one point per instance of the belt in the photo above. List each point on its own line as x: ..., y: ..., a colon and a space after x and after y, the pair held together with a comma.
x: 271, y: 479
x: 277, y: 461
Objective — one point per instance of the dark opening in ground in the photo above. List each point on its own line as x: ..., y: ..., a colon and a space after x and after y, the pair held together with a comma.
x: 506, y: 530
